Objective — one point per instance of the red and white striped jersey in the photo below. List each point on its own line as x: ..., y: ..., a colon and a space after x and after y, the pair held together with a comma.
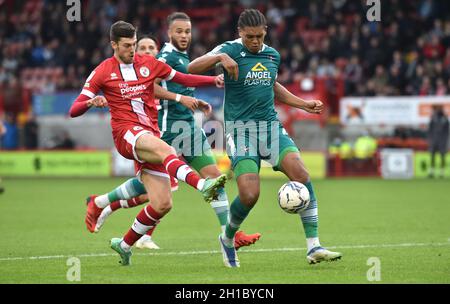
x: 128, y: 88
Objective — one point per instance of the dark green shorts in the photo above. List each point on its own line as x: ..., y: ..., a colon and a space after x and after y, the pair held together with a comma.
x: 190, y: 141
x: 259, y: 141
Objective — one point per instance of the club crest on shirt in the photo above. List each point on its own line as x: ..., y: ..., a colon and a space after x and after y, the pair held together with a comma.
x: 144, y: 71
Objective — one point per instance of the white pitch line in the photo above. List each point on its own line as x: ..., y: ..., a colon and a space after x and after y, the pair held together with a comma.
x: 94, y: 255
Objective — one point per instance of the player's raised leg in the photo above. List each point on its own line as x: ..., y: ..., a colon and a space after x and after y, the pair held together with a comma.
x: 96, y: 205
x: 152, y: 149
x: 129, y: 189
x: 294, y: 168
x: 160, y: 204
x: 115, y: 205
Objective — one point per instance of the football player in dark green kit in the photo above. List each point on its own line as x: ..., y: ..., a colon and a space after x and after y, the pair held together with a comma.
x: 176, y: 121
x: 253, y: 131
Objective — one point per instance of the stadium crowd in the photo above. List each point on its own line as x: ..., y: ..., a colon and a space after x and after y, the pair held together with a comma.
x: 406, y: 53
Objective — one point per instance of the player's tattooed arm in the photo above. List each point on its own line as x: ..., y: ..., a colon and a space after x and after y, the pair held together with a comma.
x: 286, y: 97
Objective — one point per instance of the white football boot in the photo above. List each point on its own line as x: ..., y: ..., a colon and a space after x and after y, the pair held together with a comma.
x: 319, y: 254
x: 146, y: 242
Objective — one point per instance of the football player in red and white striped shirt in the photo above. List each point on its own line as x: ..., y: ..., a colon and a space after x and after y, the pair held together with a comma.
x: 130, y: 193
x: 127, y: 82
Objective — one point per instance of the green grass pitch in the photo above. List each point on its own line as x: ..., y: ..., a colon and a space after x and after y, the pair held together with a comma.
x: 404, y: 224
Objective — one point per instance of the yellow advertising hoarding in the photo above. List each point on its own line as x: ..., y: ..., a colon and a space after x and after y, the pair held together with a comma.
x: 55, y: 163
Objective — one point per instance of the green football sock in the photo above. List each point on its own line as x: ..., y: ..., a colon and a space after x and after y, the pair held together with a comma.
x: 238, y: 213
x: 309, y: 216
x: 129, y: 189
x: 220, y: 207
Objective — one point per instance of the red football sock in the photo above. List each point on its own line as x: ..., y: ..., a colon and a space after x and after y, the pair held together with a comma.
x: 136, y: 201
x: 147, y: 219
x: 150, y: 232
x: 178, y: 169
x: 115, y: 205
x: 133, y: 202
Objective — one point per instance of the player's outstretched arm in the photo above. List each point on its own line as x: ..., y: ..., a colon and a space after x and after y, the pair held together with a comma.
x: 208, y: 61
x: 283, y: 95
x: 191, y: 80
x: 83, y: 103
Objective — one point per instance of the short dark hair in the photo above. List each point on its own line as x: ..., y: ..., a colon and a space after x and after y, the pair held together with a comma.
x: 121, y: 29
x: 177, y: 16
x: 148, y: 37
x: 140, y: 37
x: 251, y: 17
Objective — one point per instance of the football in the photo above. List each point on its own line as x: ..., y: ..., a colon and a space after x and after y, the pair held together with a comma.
x: 293, y: 197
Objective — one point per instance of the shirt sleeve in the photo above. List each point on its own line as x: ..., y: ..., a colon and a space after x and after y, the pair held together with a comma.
x: 79, y: 106
x: 226, y: 48
x: 192, y: 80
x: 278, y: 61
x: 93, y: 83
x: 163, y: 70
x: 164, y: 57
x: 91, y: 87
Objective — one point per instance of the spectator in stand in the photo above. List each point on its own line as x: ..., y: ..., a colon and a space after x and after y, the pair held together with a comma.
x: 328, y: 32
x: 353, y: 75
x: 380, y: 80
x: 426, y: 88
x: 427, y: 9
x: 12, y: 96
x: 433, y: 49
x: 396, y: 81
x: 446, y: 35
x: 441, y: 88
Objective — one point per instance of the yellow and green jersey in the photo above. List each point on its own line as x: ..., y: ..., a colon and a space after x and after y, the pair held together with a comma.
x: 251, y: 97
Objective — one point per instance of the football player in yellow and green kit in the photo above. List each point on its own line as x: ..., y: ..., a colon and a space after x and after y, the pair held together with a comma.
x: 253, y: 131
